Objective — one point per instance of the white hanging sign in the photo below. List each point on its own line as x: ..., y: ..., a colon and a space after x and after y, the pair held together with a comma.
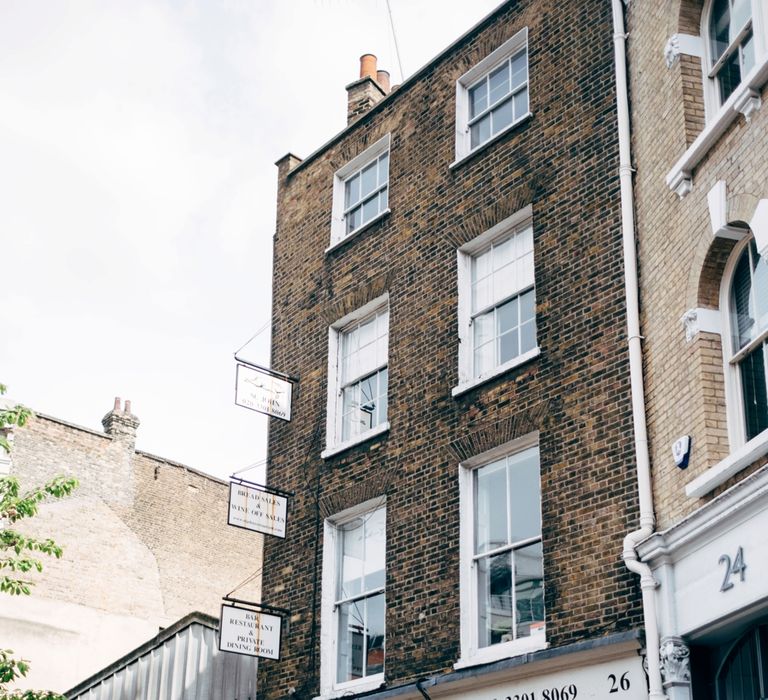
x: 257, y: 509
x: 262, y: 391
x: 250, y: 632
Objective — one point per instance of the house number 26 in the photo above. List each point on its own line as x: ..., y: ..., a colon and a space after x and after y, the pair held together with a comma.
x: 731, y: 569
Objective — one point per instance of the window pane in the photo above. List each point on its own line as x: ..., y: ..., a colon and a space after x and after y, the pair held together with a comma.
x: 753, y: 387
x: 491, y: 507
x: 480, y: 131
x: 742, y: 314
x: 478, y: 99
x: 527, y: 306
x: 719, y: 28
x: 384, y: 199
x: 382, y: 404
x: 519, y: 69
x: 351, y: 561
x: 370, y: 209
x: 349, y: 415
x: 742, y: 12
x: 482, y: 293
x: 529, y: 589
x: 729, y: 76
x: 509, y: 346
x: 369, y: 179
x: 498, y: 83
x: 384, y: 168
x: 747, y: 54
x: 521, y: 103
x: 495, y: 602
x: 760, y: 288
x: 374, y: 657
x: 483, y: 329
x: 351, y: 191
x: 503, y: 252
x: 353, y: 219
x: 506, y: 316
x: 502, y: 116
x: 351, y: 645
x: 524, y: 495
x: 485, y: 359
x: 527, y: 336
x: 375, y: 548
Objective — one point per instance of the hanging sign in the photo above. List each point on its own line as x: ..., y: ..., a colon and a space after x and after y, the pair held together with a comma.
x: 250, y: 632
x: 257, y: 508
x: 263, y: 391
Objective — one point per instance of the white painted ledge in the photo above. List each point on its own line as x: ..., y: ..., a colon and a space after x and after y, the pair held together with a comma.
x: 363, y: 437
x: 463, y: 158
x: 748, y: 453
x: 497, y: 652
x: 343, y: 241
x: 742, y: 101
x: 353, y: 688
x: 465, y: 386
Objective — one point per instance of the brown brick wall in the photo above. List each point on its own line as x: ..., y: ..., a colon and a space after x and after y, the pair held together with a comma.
x: 142, y: 536
x: 563, y: 161
x: 681, y: 263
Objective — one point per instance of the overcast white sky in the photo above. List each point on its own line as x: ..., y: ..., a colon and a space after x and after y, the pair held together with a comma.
x: 137, y: 193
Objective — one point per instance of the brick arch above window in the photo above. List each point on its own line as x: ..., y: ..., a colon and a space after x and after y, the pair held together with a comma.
x: 491, y: 435
x: 365, y: 291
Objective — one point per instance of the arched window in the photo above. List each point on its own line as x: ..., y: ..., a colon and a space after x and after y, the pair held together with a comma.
x: 731, y: 43
x: 748, y: 312
x: 743, y: 675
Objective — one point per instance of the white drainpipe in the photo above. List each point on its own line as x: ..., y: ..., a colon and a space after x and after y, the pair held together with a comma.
x: 648, y: 583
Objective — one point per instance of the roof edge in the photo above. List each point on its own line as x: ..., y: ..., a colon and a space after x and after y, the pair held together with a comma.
x: 405, y: 85
x: 186, y: 621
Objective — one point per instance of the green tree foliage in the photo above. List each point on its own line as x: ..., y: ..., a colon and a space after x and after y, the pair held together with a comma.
x: 19, y: 554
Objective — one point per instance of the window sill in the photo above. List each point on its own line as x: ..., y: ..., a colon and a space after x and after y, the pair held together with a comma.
x: 680, y: 178
x: 466, y: 386
x: 343, y: 241
x: 353, y: 687
x: 748, y: 453
x: 497, y: 652
x: 364, y: 437
x: 460, y: 160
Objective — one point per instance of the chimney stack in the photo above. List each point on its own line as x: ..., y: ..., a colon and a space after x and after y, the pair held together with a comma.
x: 121, y: 424
x: 370, y: 88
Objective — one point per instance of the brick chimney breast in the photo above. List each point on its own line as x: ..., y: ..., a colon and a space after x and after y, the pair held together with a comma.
x: 371, y: 87
x: 120, y: 423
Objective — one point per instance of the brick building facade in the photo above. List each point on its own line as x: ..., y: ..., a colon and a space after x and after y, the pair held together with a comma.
x: 145, y: 541
x: 699, y: 71
x: 449, y: 292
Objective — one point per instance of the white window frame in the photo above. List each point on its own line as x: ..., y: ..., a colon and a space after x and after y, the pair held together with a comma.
x: 709, y: 68
x: 329, y: 688
x: 520, y: 220
x: 339, y: 233
x: 512, y: 46
x: 471, y: 653
x: 333, y: 441
x: 734, y: 399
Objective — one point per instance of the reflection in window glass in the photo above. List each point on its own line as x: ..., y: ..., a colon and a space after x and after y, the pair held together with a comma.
x: 508, y: 555
x: 364, y: 377
x: 749, y: 328
x: 360, y: 597
x: 366, y: 193
x: 503, y: 302
x: 498, y: 99
x: 731, y: 43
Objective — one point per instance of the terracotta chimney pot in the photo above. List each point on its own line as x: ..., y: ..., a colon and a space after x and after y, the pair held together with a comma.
x: 368, y: 66
x: 382, y: 78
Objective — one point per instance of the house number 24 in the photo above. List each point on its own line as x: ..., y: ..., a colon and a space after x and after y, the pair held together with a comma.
x: 732, y: 568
